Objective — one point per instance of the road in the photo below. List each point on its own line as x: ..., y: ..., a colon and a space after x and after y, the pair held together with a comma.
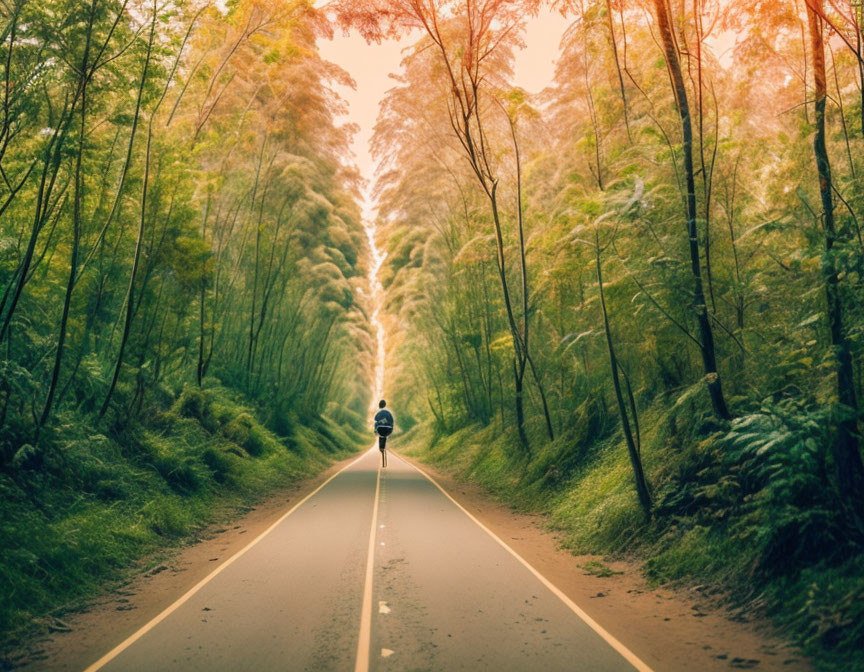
x: 378, y: 569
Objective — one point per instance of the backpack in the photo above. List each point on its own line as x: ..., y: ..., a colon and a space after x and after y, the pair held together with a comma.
x: 383, y: 422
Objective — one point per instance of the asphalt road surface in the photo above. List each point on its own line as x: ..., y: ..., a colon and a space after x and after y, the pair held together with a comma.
x: 376, y: 570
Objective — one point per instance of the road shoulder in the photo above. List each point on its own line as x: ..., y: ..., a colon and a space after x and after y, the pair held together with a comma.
x: 672, y: 630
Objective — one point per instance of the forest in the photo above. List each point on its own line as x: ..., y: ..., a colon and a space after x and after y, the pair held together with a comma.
x: 181, y: 254
x: 633, y: 301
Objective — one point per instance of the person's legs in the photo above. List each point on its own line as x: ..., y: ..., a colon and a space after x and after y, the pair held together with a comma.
x: 382, y: 446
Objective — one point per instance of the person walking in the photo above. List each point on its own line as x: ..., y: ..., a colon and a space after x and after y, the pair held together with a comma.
x: 383, y: 428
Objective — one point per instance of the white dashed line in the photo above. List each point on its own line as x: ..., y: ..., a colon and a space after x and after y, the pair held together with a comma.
x: 363, y: 641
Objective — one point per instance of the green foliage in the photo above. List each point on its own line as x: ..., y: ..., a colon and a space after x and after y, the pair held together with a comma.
x: 788, y: 509
x: 146, y: 248
x: 83, y: 508
x: 742, y: 283
x: 597, y: 568
x: 749, y: 510
x: 194, y: 403
x: 166, y: 280
x: 826, y: 606
x: 242, y: 430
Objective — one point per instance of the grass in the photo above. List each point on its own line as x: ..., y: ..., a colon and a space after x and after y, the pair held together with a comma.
x: 597, y: 568
x: 86, y: 507
x: 755, y: 544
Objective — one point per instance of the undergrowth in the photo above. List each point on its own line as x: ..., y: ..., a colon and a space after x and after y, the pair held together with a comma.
x: 746, y: 508
x: 89, y: 502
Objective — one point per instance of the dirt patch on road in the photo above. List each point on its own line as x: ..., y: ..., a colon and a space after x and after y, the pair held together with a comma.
x: 671, y: 630
x: 87, y: 632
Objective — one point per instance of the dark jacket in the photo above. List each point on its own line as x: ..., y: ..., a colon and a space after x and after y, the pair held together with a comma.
x: 383, y: 418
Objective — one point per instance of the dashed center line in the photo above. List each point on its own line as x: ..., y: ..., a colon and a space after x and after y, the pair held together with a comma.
x: 363, y: 641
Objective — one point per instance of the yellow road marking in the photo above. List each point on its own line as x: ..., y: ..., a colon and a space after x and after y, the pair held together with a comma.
x: 628, y: 655
x: 363, y: 642
x: 126, y: 643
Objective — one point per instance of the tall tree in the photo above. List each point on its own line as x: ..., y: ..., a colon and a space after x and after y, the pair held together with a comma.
x: 848, y: 467
x: 700, y: 308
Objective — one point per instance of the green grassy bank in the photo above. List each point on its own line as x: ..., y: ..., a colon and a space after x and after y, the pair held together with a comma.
x: 742, y: 509
x: 91, y: 502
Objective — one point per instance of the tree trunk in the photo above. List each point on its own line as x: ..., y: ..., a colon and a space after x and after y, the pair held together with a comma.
x: 709, y: 357
x: 250, y: 350
x: 848, y: 468
x: 520, y: 409
x: 614, y: 44
x: 642, y: 490
x: 518, y: 349
x: 523, y: 268
x: 201, y: 297
x: 76, y: 225
x: 50, y: 166
x: 130, y: 293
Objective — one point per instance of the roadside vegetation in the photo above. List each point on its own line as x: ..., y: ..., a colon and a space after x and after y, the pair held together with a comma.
x: 634, y: 301
x: 181, y: 262
x: 763, y: 543
x: 89, y: 509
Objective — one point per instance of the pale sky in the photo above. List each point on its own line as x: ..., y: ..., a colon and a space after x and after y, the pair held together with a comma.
x: 371, y: 64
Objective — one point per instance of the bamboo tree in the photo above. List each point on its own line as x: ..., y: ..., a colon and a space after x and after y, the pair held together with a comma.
x: 84, y: 74
x: 614, y: 44
x: 706, y: 334
x: 199, y: 370
x: 642, y: 489
x: 848, y: 467
x: 130, y: 293
x: 50, y: 169
x: 523, y: 271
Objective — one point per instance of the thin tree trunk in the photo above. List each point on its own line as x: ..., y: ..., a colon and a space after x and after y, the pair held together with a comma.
x: 706, y: 170
x: 518, y: 355
x: 709, y: 357
x: 130, y: 293
x: 76, y: 224
x: 523, y: 267
x: 519, y: 375
x: 848, y: 468
x: 250, y: 353
x: 642, y: 490
x: 614, y: 44
x: 43, y: 196
x: 201, y: 297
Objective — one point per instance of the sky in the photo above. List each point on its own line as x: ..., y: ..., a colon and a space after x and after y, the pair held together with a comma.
x: 370, y: 66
